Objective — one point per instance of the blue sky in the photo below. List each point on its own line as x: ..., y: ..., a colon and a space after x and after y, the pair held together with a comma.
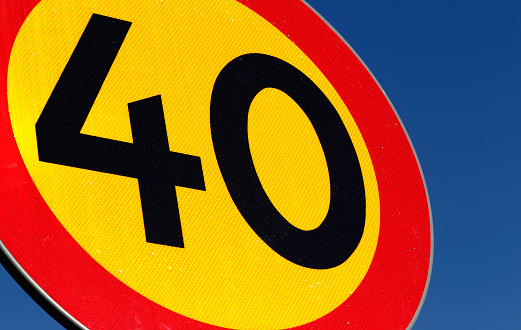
x: 453, y: 72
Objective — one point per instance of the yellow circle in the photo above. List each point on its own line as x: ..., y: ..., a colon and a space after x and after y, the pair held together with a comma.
x: 226, y: 275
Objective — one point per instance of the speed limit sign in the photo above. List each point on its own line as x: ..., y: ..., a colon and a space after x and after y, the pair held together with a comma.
x: 204, y: 164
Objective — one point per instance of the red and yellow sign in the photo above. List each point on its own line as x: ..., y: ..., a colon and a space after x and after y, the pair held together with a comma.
x: 217, y: 163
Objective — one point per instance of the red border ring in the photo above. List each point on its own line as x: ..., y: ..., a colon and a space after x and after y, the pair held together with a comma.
x: 389, y: 297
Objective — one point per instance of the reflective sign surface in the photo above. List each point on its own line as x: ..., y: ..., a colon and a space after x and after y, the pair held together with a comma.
x: 205, y: 164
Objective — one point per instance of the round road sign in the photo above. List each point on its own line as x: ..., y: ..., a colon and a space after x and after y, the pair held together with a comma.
x: 212, y: 164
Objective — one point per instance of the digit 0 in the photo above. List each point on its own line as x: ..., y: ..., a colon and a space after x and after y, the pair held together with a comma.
x: 337, y: 237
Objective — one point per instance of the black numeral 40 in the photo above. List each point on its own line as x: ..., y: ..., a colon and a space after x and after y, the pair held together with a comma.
x: 159, y: 170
